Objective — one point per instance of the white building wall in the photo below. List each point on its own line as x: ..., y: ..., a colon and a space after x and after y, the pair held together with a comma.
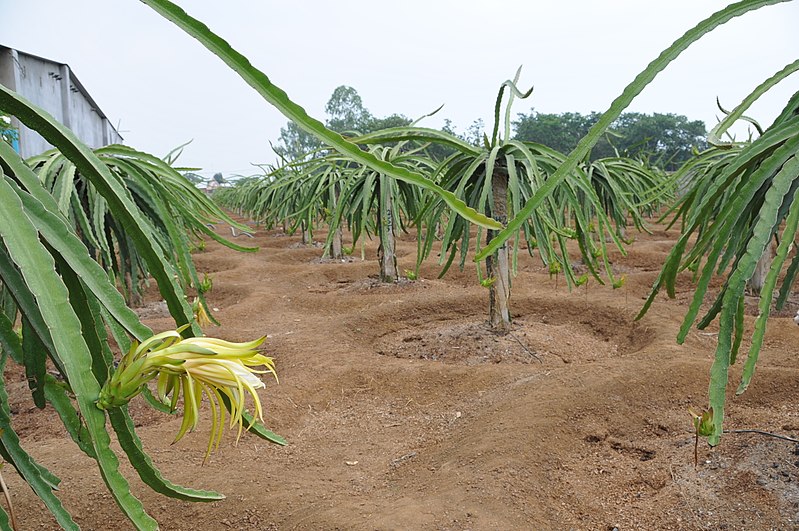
x: 86, y: 123
x: 36, y: 81
x: 53, y: 87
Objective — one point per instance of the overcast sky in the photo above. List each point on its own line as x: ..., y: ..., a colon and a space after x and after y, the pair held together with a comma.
x: 163, y: 88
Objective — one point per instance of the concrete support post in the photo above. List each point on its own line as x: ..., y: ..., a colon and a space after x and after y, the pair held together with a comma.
x: 14, y: 79
x: 66, y: 96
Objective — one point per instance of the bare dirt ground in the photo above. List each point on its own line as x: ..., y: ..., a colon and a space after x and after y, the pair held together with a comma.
x: 403, y: 411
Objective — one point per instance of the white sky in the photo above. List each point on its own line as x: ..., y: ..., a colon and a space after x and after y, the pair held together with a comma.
x: 409, y: 57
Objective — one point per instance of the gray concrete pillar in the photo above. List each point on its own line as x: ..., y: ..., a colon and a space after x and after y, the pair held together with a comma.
x: 17, y: 70
x: 66, y: 96
x: 14, y: 80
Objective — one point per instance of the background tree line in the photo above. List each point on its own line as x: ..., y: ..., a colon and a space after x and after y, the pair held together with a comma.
x: 666, y: 140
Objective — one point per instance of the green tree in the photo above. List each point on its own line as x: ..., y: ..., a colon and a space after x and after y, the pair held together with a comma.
x: 345, y: 110
x: 668, y: 140
x: 295, y: 143
x: 560, y: 132
x: 345, y: 114
x: 475, y: 133
x: 392, y: 120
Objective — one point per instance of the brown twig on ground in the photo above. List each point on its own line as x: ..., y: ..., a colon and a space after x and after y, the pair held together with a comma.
x: 696, y: 452
x: 530, y: 352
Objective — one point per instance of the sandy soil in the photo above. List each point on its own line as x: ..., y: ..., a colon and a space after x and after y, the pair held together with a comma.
x: 403, y: 411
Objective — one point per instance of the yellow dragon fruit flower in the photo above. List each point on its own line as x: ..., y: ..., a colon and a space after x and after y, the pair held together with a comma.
x: 224, y: 371
x: 200, y: 315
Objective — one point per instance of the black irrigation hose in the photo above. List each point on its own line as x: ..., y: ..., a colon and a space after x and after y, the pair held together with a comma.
x: 767, y: 434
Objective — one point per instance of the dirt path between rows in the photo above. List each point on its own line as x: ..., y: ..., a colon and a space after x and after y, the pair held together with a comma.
x: 403, y: 411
